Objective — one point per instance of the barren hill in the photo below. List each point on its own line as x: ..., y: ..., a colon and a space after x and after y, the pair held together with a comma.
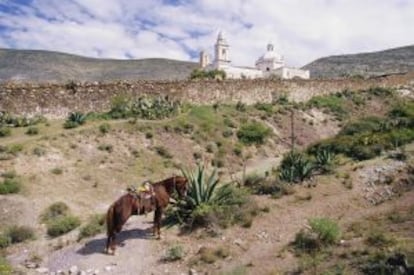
x: 397, y: 60
x: 48, y: 66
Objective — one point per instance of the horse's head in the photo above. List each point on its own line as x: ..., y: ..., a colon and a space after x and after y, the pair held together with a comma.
x: 181, y: 186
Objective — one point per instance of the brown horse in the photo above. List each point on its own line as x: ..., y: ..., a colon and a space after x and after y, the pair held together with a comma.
x: 134, y: 203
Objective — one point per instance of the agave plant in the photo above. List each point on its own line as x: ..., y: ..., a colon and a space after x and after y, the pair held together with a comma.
x: 75, y: 119
x: 205, y: 194
x: 295, y: 167
x: 324, y: 159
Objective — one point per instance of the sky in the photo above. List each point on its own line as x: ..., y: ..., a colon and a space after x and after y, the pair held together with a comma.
x: 301, y: 30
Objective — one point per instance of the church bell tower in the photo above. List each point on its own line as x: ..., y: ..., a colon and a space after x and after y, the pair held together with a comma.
x: 221, y: 47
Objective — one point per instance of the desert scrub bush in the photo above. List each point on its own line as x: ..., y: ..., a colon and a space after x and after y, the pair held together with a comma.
x: 62, y: 225
x: 253, y: 133
x: 5, y: 267
x: 54, y: 211
x: 379, y: 239
x: 212, y: 74
x: 4, y: 241
x: 74, y: 120
x: 39, y: 151
x: 5, y: 131
x: 104, y: 128
x: 295, y: 167
x: 10, y: 186
x: 31, y: 131
x: 368, y: 124
x: 106, y: 147
x: 173, y: 253
x: 266, y: 107
x: 163, y: 152
x: 57, y: 171
x: 380, y: 91
x: 322, y: 232
x: 58, y: 219
x: 334, y: 103
x: 211, y: 255
x: 94, y: 226
x: 18, y: 234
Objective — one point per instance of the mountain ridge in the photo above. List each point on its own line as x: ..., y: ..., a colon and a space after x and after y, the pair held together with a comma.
x: 52, y: 66
x: 389, y: 61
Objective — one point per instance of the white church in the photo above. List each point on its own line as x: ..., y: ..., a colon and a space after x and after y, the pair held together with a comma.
x: 269, y: 64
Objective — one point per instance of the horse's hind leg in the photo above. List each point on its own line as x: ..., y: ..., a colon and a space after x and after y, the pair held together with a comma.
x: 157, y: 222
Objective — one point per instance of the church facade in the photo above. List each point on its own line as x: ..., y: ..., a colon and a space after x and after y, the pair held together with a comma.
x: 269, y: 64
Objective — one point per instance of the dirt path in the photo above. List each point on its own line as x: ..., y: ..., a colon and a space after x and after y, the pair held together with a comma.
x: 135, y: 254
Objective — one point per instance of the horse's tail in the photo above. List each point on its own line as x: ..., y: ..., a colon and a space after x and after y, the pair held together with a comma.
x: 110, y: 220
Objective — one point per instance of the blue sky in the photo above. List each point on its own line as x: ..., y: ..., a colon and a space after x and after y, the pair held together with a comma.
x: 301, y: 30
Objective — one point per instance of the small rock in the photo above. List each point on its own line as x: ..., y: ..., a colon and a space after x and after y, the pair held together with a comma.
x: 73, y: 270
x: 89, y: 270
x: 31, y: 265
x: 60, y: 272
x: 81, y: 272
x: 108, y: 268
x: 42, y: 270
x: 238, y: 242
x: 96, y: 272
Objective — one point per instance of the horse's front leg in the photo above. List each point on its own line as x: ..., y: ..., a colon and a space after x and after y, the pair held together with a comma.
x: 157, y: 223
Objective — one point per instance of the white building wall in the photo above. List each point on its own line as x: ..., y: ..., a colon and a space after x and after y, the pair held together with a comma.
x: 239, y: 72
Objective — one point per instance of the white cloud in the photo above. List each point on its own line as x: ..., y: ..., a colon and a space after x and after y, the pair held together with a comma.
x: 301, y: 30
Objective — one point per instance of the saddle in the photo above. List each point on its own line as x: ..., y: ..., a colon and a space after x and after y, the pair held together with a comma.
x: 145, y: 195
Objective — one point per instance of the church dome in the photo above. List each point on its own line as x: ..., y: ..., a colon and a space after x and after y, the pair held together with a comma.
x: 270, y: 54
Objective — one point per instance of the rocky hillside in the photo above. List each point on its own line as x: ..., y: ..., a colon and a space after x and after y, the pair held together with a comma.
x: 41, y: 66
x: 397, y: 60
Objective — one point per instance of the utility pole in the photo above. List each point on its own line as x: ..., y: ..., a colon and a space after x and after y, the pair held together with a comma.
x: 292, y: 130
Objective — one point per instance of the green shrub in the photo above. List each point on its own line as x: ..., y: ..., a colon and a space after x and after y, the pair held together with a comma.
x: 39, y: 151
x: 323, y: 232
x: 57, y: 171
x: 380, y: 91
x: 9, y: 174
x: 18, y: 234
x: 120, y: 107
x: 334, y: 103
x: 253, y: 133
x: 368, y: 124
x: 379, y: 239
x: 4, y: 241
x: 327, y: 230
x: 14, y: 149
x: 5, y: 131
x: 31, y: 131
x: 163, y: 152
x: 10, y: 186
x: 106, y: 147
x: 5, y: 267
x: 227, y: 133
x: 54, y: 211
x: 174, y: 253
x: 104, y: 128
x: 266, y: 107
x: 62, y: 225
x: 212, y: 74
x: 95, y: 225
